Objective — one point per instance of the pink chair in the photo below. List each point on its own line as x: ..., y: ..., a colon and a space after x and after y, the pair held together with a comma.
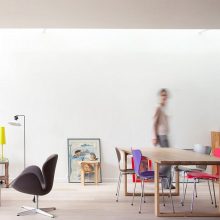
x: 204, y: 176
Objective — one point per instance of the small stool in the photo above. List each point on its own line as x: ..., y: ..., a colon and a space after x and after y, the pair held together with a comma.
x: 85, y: 169
x: 5, y: 178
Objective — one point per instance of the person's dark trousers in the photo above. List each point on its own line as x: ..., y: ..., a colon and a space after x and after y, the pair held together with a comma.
x: 165, y: 169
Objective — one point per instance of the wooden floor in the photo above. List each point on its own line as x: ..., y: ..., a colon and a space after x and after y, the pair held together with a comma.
x: 91, y: 202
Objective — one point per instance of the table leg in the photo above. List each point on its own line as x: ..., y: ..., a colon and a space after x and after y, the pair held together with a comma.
x: 156, y: 185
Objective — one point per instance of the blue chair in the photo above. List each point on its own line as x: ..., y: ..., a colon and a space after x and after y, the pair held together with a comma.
x: 145, y: 175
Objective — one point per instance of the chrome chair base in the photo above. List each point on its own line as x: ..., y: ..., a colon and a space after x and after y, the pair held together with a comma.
x: 37, y: 210
x: 31, y: 210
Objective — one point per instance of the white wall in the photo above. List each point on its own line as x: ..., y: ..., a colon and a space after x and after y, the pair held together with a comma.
x: 103, y: 84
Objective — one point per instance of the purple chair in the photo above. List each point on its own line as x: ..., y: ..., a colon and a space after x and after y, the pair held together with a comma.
x: 145, y: 175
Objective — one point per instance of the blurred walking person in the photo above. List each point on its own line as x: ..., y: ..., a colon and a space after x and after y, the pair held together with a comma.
x: 160, y: 133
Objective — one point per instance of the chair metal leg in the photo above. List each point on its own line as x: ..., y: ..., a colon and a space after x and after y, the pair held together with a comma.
x: 119, y: 184
x: 214, y: 193
x: 193, y: 195
x: 27, y: 212
x: 182, y: 199
x: 27, y: 208
x: 48, y: 209
x: 196, y: 191
x: 171, y: 197
x: 162, y: 193
x: 142, y: 191
x: 184, y: 195
x: 210, y: 192
x: 132, y: 203
x: 44, y: 213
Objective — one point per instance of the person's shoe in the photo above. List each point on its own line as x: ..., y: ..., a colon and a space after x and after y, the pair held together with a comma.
x: 172, y: 187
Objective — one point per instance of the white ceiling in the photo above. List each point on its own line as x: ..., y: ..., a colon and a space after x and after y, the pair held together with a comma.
x: 202, y: 14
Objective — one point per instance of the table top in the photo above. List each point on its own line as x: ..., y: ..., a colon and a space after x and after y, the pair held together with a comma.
x: 176, y: 156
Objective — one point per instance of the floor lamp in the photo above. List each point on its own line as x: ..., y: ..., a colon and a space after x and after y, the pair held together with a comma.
x: 16, y: 123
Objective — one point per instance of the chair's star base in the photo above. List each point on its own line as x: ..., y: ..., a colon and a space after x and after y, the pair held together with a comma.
x: 42, y: 211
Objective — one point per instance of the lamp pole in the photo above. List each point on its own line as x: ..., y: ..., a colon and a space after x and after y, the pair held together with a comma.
x: 16, y: 117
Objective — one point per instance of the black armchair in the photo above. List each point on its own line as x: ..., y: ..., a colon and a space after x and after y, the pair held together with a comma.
x: 36, y: 182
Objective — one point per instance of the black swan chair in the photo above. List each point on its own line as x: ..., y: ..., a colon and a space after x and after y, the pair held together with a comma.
x: 36, y: 182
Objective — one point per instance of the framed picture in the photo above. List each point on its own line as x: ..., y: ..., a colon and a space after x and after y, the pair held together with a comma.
x: 82, y: 149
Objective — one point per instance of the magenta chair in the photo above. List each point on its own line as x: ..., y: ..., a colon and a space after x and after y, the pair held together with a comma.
x: 202, y: 168
x: 204, y: 176
x: 145, y: 175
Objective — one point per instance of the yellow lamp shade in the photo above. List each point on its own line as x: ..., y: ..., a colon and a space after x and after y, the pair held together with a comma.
x: 2, y: 135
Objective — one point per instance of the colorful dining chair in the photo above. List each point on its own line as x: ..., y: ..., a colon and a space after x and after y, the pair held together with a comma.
x: 187, y: 168
x: 145, y: 175
x: 195, y: 175
x: 122, y: 171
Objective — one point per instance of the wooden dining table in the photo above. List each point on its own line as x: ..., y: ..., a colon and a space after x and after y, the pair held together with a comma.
x: 173, y: 157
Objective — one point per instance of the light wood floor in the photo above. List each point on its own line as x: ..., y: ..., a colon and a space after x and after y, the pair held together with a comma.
x: 92, y: 202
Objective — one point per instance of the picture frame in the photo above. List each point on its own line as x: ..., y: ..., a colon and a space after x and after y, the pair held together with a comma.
x: 83, y: 149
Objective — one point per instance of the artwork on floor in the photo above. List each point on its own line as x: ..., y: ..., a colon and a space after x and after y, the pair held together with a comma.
x: 82, y: 149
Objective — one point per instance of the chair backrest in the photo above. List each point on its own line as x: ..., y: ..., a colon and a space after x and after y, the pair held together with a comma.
x: 137, y: 155
x: 48, y: 171
x: 202, y: 150
x: 118, y: 153
x: 216, y: 153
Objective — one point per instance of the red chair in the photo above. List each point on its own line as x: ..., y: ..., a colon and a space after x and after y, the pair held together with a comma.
x: 146, y: 165
x: 196, y: 175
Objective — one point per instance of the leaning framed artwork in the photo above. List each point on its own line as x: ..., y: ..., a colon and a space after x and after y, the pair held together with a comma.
x: 83, y: 149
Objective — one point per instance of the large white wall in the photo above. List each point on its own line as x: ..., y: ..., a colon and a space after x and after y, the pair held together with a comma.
x: 103, y: 84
